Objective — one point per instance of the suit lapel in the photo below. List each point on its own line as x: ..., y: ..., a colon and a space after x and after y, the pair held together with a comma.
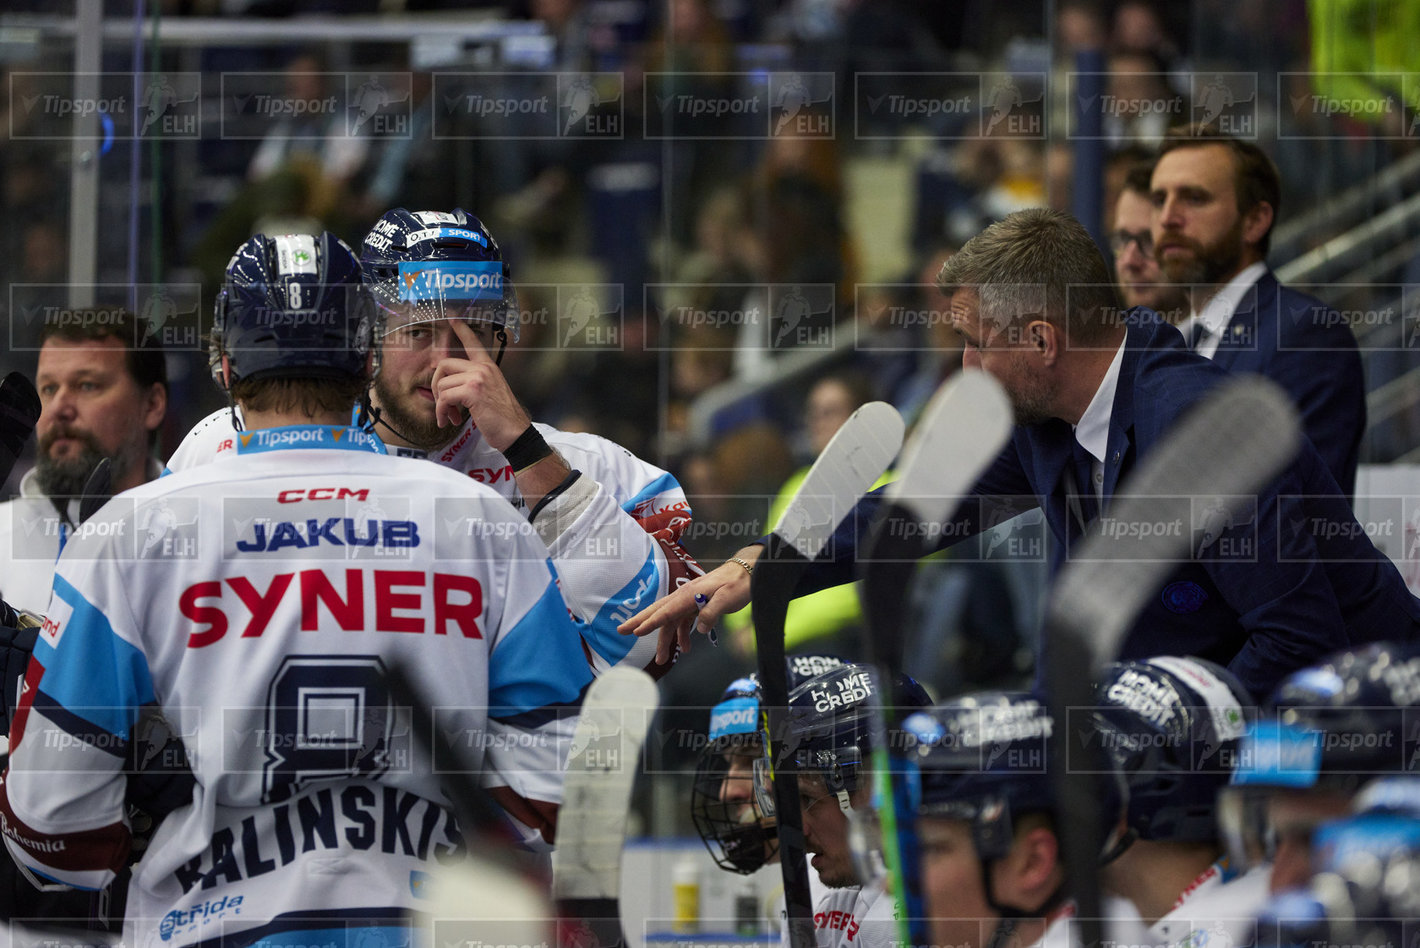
x: 1240, y: 336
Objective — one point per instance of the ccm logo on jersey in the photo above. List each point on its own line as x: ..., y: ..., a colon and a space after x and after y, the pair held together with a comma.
x: 322, y: 493
x: 400, y: 600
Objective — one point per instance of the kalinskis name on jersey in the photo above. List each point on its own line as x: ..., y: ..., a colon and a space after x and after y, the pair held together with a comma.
x: 357, y: 817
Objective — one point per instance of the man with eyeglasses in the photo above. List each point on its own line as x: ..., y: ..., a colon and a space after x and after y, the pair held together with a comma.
x: 1215, y: 199
x: 1141, y: 283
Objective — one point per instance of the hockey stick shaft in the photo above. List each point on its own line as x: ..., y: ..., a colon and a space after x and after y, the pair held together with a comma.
x: 1230, y: 444
x: 848, y: 466
x: 963, y: 429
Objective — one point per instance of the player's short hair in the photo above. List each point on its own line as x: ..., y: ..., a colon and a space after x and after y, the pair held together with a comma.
x: 313, y: 398
x: 1255, y: 177
x: 143, y: 357
x: 1043, y: 264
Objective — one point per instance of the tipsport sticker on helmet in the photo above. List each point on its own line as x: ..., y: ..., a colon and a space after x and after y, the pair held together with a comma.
x: 295, y: 254
x: 736, y: 716
x: 448, y: 233
x: 448, y: 279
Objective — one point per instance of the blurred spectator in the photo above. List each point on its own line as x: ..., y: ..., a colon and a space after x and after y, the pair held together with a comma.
x: 829, y: 620
x: 323, y: 139
x: 1140, y: 104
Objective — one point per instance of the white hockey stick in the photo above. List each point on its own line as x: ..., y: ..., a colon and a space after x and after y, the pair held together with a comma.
x: 964, y: 428
x: 596, y: 802
x: 1232, y: 443
x: 846, y: 469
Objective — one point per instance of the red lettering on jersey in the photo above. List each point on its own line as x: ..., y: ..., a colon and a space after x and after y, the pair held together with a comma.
x: 261, y: 607
x: 464, y: 614
x: 316, y: 588
x: 297, y: 494
x: 215, y: 618
x: 387, y: 600
x: 225, y: 446
x: 401, y: 600
x: 491, y: 475
x: 852, y: 927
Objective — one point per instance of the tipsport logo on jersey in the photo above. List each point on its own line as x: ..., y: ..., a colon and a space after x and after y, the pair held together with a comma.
x: 513, y: 106
x: 168, y: 528
x: 105, y: 106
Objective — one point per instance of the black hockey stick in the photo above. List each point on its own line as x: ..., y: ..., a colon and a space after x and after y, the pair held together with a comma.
x: 596, y: 802
x: 963, y: 429
x: 1231, y: 443
x: 856, y: 457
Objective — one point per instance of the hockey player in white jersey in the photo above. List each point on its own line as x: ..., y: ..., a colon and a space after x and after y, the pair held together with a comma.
x: 829, y: 723
x: 614, y: 534
x: 1171, y: 728
x: 263, y: 630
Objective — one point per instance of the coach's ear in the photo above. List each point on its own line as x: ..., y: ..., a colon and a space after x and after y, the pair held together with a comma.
x: 1045, y: 339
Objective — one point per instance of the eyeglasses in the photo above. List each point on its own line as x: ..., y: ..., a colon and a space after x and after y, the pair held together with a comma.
x: 1120, y: 240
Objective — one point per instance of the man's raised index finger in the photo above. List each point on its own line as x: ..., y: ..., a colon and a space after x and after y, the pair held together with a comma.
x: 472, y: 345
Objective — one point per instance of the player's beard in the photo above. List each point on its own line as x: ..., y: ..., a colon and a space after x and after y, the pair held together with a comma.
x: 1207, y: 264
x: 410, y: 416
x: 66, y: 477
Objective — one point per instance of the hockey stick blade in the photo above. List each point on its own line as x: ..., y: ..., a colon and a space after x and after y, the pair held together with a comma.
x: 1233, y: 442
x: 856, y: 457
x: 596, y: 802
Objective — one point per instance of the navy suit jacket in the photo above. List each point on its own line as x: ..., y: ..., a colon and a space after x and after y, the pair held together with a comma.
x: 1303, y: 345
x: 1307, y: 582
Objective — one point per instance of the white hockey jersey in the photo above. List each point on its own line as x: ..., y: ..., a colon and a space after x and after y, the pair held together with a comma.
x: 852, y: 917
x: 617, y: 556
x: 259, y: 602
x: 1218, y: 910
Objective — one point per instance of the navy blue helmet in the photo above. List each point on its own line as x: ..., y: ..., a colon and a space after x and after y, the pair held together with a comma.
x: 1364, y: 891
x: 982, y: 759
x: 1330, y: 729
x: 1170, y: 728
x: 294, y: 306
x: 831, y: 723
x: 740, y: 838
x: 431, y: 265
